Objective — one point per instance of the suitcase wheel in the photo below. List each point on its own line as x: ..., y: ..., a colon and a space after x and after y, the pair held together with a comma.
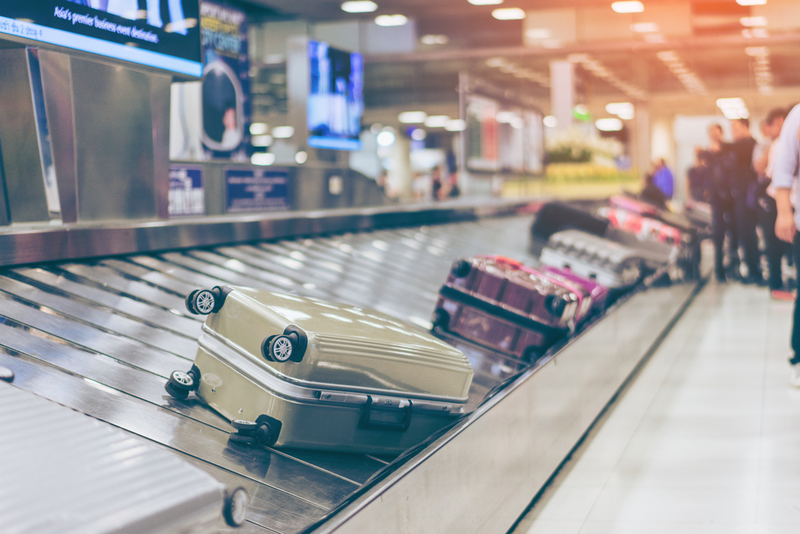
x: 555, y: 305
x: 440, y: 318
x: 531, y: 355
x: 6, y: 374
x: 206, y: 301
x: 180, y: 384
x: 200, y: 302
x: 240, y: 424
x: 243, y: 439
x: 279, y: 348
x: 461, y: 268
x: 235, y: 507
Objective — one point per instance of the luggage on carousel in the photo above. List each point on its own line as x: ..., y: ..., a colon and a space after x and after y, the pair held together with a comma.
x: 555, y: 217
x: 507, y: 306
x: 645, y: 228
x: 597, y: 291
x: 611, y: 264
x: 66, y: 472
x: 300, y: 372
x: 699, y: 213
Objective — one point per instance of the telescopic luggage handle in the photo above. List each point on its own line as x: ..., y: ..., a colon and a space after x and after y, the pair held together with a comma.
x: 368, y: 423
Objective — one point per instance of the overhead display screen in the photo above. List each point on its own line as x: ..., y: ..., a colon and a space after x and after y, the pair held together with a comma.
x: 336, y: 97
x: 163, y: 34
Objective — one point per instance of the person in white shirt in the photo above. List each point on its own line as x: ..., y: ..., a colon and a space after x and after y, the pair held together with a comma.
x: 784, y: 170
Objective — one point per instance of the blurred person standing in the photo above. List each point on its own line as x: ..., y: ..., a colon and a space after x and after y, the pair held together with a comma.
x: 718, y: 194
x: 663, y: 179
x: 739, y: 163
x: 784, y: 167
x: 697, y: 177
x: 766, y: 209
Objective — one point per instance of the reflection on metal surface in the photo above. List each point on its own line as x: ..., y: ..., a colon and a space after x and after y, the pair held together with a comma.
x: 85, y: 241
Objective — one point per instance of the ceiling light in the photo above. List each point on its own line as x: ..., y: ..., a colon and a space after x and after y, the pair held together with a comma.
x: 359, y: 6
x: 301, y: 157
x: 259, y: 128
x: 751, y: 2
x: 496, y: 62
x: 538, y: 33
x: 505, y: 117
x: 730, y: 103
x: 385, y: 138
x: 434, y: 39
x: 759, y: 33
x: 610, y: 124
x: 262, y: 158
x: 508, y: 13
x: 617, y: 108
x: 628, y: 7
x: 578, y: 58
x: 455, y: 125
x: 485, y: 2
x: 645, y: 27
x: 753, y: 21
x: 418, y: 134
x: 437, y: 121
x: 654, y: 38
x: 261, y: 140
x: 282, y: 132
x: 550, y: 121
x: 667, y: 55
x: 412, y: 117
x: 391, y: 20
x: 756, y: 51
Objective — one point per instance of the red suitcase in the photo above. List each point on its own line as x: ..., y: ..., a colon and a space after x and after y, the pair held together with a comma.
x: 645, y: 228
x: 502, y: 304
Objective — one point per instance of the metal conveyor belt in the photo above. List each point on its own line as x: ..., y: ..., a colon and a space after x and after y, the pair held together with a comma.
x: 102, y: 336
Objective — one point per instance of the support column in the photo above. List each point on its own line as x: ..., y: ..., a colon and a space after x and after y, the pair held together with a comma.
x: 641, y: 139
x: 562, y: 93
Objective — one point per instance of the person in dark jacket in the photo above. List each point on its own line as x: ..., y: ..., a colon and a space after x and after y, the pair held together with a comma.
x: 718, y: 194
x: 739, y: 163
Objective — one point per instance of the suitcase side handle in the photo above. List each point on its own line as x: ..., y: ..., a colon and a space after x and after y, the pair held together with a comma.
x: 368, y: 423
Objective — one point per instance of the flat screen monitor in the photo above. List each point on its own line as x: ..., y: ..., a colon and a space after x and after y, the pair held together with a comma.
x: 482, y: 148
x: 335, y: 98
x: 161, y: 34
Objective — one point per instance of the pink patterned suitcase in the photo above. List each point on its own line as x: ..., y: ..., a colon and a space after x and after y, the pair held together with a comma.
x: 507, y: 306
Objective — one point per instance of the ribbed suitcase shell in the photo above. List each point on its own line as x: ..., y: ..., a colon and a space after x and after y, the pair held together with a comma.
x: 62, y: 472
x: 609, y: 263
x: 356, y: 358
x: 501, y: 303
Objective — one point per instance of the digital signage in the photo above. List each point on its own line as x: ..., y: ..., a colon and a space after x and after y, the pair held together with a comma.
x: 162, y: 34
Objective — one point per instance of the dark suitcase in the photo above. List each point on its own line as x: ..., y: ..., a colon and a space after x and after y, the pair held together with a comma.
x: 507, y: 306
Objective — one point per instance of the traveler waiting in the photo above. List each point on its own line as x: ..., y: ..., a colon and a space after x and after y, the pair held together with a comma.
x: 739, y: 164
x: 766, y: 208
x: 718, y: 194
x: 787, y: 157
x: 662, y: 178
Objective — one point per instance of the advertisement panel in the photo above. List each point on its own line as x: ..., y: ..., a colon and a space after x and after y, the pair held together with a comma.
x: 226, y: 82
x: 255, y: 190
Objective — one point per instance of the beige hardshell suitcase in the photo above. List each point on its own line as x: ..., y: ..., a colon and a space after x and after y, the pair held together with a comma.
x: 291, y: 371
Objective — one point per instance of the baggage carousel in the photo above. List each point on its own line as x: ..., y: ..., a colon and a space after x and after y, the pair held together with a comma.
x: 99, y: 328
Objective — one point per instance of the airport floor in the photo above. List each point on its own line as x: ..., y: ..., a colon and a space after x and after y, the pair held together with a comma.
x: 706, y: 439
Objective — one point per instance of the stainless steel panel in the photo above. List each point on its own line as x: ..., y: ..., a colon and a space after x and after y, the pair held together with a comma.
x: 159, y: 105
x: 57, y: 82
x: 86, y: 241
x: 113, y: 141
x: 23, y: 166
x: 513, y: 443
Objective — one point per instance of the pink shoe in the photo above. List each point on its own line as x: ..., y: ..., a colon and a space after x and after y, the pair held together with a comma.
x: 780, y: 294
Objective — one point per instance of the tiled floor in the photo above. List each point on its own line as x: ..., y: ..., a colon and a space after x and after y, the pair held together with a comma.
x: 705, y: 440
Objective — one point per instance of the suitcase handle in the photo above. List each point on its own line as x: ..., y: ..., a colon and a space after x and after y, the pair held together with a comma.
x: 508, y: 261
x: 367, y: 423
